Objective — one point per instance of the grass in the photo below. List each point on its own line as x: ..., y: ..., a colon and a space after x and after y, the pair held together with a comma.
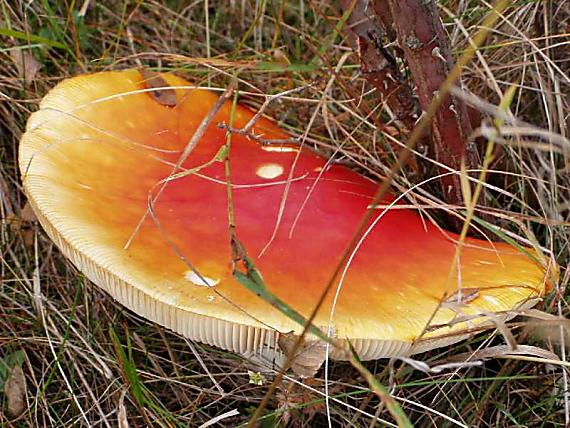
x: 55, y: 324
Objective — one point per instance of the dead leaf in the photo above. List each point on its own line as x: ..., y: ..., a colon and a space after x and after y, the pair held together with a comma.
x: 309, y: 357
x: 27, y: 213
x: 28, y: 217
x: 502, y: 351
x: 122, y: 412
x: 166, y: 97
x: 15, y: 391
x: 26, y: 64
x: 292, y: 399
x: 23, y: 223
x: 281, y: 57
x: 549, y: 331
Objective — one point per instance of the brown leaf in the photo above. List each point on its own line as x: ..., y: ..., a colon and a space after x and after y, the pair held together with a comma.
x: 309, y: 357
x: 23, y: 223
x: 26, y: 64
x: 15, y: 391
x: 166, y: 97
x: 27, y: 213
x: 28, y: 218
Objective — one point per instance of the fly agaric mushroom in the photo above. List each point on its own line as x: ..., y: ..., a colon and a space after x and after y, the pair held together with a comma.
x: 100, y: 143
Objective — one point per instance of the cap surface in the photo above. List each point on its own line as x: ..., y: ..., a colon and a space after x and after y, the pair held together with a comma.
x: 100, y: 143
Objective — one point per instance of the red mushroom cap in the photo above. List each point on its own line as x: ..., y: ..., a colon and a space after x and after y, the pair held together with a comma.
x: 101, y: 142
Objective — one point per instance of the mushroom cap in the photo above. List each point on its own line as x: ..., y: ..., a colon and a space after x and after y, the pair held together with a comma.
x: 100, y: 142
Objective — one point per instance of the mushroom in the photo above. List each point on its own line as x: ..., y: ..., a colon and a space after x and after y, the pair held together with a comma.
x: 100, y: 144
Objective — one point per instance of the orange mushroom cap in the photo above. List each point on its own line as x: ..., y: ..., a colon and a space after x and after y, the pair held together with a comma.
x: 100, y: 143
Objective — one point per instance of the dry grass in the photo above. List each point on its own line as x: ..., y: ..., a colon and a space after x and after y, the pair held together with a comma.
x: 89, y: 362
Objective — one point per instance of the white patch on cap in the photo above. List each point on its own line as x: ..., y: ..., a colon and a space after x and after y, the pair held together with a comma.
x: 269, y: 170
x: 492, y: 300
x: 202, y: 280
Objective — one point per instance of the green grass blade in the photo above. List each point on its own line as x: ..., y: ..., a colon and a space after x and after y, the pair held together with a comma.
x: 31, y: 38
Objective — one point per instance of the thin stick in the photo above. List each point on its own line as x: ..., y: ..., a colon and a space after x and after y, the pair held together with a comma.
x: 187, y: 150
x: 204, y: 367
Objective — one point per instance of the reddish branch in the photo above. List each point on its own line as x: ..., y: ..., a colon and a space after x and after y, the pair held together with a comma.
x: 425, y: 47
x: 372, y: 32
x: 428, y: 54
